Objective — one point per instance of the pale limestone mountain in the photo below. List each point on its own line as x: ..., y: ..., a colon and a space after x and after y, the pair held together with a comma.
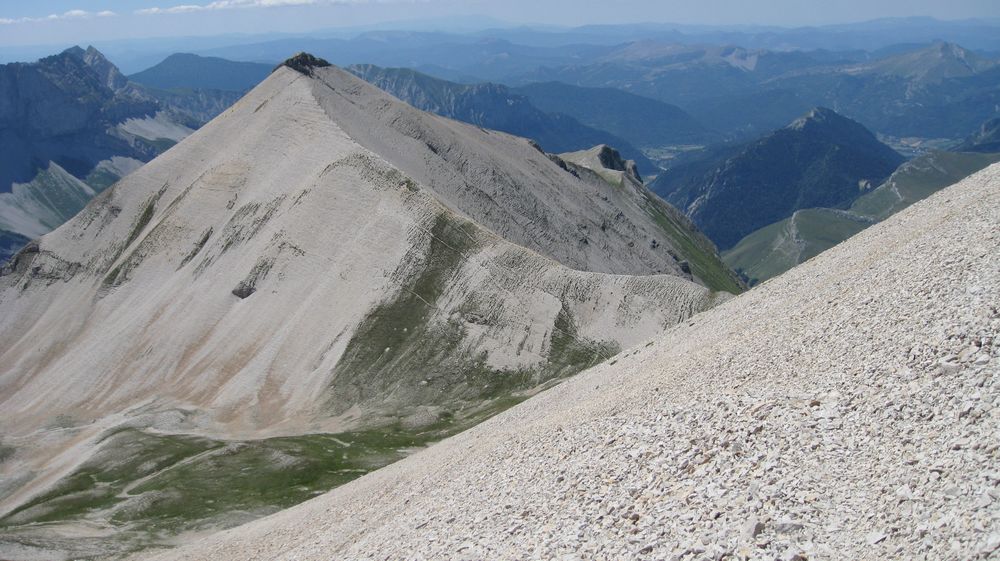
x: 321, y: 259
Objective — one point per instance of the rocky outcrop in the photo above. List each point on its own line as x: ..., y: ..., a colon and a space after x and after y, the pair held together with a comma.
x: 605, y: 158
x: 304, y: 63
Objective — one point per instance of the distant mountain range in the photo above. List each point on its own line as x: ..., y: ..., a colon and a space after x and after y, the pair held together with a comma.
x: 903, y: 77
x: 646, y: 122
x: 683, y: 93
x: 496, y: 107
x: 426, y: 46
x: 936, y: 91
x: 821, y: 159
x: 192, y: 72
x: 71, y: 125
x: 559, y: 116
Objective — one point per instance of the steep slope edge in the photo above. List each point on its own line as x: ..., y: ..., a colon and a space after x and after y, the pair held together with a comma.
x: 845, y: 409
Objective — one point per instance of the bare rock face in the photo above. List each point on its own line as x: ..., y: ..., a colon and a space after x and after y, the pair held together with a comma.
x: 108, y: 72
x: 605, y: 158
x: 612, y: 159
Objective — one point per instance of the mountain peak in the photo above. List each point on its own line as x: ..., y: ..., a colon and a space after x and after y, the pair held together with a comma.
x: 931, y: 64
x: 819, y: 116
x: 94, y: 53
x: 304, y: 63
x: 603, y: 158
x: 822, y: 159
x: 75, y: 50
x: 946, y: 48
x: 106, y: 71
x: 612, y: 159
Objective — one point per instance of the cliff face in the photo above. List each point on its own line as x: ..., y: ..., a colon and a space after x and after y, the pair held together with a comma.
x: 71, y: 125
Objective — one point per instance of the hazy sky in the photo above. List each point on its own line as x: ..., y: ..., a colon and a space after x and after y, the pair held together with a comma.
x: 56, y: 21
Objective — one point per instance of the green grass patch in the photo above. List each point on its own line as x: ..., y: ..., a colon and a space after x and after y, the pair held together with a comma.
x: 395, y: 343
x: 166, y: 484
x: 704, y: 261
x: 124, y: 457
x: 776, y: 248
x: 918, y: 179
x: 398, y: 355
x: 770, y: 251
x: 822, y: 229
x: 262, y: 476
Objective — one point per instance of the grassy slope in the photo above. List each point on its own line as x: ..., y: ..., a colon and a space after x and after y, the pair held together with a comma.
x: 920, y: 179
x: 699, y: 252
x: 151, y: 487
x: 399, y: 351
x: 770, y: 251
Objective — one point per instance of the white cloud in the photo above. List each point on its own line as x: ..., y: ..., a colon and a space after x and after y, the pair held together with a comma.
x: 233, y: 4
x: 242, y: 4
x: 70, y: 15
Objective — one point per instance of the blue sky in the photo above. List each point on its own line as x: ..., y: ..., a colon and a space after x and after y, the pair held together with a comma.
x: 55, y: 21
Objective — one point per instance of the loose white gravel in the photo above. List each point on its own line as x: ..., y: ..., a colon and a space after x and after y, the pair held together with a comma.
x: 849, y: 409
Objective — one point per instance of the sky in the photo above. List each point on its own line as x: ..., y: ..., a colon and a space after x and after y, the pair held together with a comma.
x: 39, y: 22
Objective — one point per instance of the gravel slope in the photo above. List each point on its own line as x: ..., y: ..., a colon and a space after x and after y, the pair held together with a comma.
x: 847, y: 409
